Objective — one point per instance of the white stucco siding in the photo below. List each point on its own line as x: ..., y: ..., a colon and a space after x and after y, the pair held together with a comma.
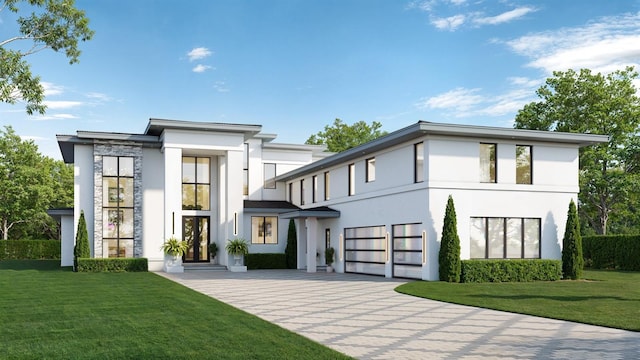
x: 68, y: 240
x: 556, y: 166
x: 210, y: 141
x: 452, y: 160
x: 153, y: 207
x: 83, y: 194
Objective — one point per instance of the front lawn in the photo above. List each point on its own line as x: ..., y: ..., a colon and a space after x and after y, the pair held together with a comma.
x: 606, y: 298
x: 57, y: 314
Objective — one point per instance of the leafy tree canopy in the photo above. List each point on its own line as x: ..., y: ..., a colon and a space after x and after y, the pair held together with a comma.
x: 46, y: 24
x: 340, y: 136
x: 584, y: 102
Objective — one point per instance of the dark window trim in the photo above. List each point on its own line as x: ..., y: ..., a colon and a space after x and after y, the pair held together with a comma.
x: 118, y: 207
x: 368, y: 177
x: 314, y: 189
x: 504, y: 232
x: 327, y: 185
x: 530, y: 164
x: 415, y: 162
x: 301, y: 191
x: 495, y: 168
x: 196, y: 183
x: 264, y: 232
x: 351, y: 174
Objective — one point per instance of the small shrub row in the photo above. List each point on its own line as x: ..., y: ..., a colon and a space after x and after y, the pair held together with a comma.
x: 479, y: 271
x: 29, y: 249
x: 265, y: 261
x: 112, y: 265
x: 620, y: 252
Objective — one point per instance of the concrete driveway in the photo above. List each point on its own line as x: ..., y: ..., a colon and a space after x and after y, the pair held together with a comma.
x: 363, y: 317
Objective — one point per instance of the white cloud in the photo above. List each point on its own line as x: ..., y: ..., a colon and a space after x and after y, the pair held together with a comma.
x: 50, y: 89
x: 198, y: 53
x: 221, y: 87
x: 504, y: 17
x: 460, y: 99
x: 55, y: 117
x: 98, y: 96
x: 604, y: 45
x: 451, y: 23
x: 200, y: 68
x: 62, y: 104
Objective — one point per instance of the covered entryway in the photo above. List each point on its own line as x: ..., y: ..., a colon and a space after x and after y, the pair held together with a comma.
x: 195, y: 231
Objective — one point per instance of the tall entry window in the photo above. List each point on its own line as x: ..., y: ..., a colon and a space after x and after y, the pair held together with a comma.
x: 117, y: 206
x: 195, y: 231
x: 196, y: 183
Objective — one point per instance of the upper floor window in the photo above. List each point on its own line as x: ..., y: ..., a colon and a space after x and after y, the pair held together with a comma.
x: 314, y: 189
x: 269, y: 176
x: 352, y: 179
x: 371, y: 169
x: 245, y: 170
x: 488, y: 163
x: 291, y: 192
x: 327, y: 185
x: 524, y: 166
x: 195, y: 183
x: 302, y: 192
x: 418, y: 165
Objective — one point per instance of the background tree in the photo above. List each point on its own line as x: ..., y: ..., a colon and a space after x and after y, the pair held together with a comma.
x: 291, y: 251
x: 594, y: 103
x: 340, y: 136
x: 49, y: 24
x: 25, y: 181
x: 449, y: 256
x: 572, y: 260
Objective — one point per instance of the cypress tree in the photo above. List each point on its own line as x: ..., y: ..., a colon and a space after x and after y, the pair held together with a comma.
x: 449, y: 256
x: 81, y: 249
x: 291, y: 251
x: 572, y: 260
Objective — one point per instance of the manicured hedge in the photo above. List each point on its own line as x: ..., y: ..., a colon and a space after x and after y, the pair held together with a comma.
x: 478, y: 271
x: 265, y: 261
x: 113, y: 265
x: 620, y: 252
x: 29, y: 249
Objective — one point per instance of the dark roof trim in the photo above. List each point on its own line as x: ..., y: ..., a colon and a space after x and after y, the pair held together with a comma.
x: 252, y: 206
x: 423, y: 128
x: 157, y: 126
x: 58, y: 213
x: 318, y: 212
x: 67, y: 142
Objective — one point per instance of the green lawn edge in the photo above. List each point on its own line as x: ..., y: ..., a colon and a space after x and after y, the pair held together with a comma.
x: 58, y: 314
x: 604, y: 298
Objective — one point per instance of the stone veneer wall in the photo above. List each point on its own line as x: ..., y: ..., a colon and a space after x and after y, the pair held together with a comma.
x: 113, y: 148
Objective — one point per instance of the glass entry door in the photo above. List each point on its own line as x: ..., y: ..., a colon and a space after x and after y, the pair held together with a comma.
x: 195, y: 231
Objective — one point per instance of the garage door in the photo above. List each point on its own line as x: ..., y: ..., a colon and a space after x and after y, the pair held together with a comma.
x: 364, y: 250
x: 407, y: 251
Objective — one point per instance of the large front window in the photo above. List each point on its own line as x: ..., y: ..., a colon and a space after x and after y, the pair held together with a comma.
x: 195, y: 183
x: 117, y: 206
x: 505, y: 238
x: 264, y: 230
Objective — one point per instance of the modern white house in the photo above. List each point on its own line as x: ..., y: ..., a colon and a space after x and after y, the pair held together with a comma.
x: 380, y: 205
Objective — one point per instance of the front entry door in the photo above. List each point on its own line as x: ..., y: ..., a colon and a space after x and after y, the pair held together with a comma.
x: 195, y: 231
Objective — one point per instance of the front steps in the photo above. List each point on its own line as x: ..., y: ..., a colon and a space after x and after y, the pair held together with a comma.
x: 203, y: 267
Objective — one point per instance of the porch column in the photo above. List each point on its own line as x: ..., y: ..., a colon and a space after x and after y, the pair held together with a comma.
x: 312, y: 233
x: 172, y: 193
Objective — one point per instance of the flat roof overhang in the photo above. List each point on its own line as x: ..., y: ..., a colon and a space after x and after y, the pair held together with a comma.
x: 322, y: 212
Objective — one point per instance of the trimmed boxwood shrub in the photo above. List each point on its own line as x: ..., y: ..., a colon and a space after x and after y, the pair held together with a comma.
x: 112, y: 265
x: 525, y: 270
x: 621, y: 252
x: 29, y: 249
x: 265, y: 261
x: 291, y: 251
x: 449, y: 255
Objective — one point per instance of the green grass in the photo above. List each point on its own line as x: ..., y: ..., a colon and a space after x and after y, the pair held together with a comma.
x: 606, y: 298
x: 51, y: 313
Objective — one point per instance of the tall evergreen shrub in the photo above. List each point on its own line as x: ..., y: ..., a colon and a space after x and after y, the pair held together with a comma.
x: 81, y: 249
x: 572, y: 260
x: 449, y: 257
x: 291, y: 251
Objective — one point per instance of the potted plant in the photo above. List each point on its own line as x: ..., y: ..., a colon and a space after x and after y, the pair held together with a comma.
x: 237, y: 247
x: 175, y: 248
x: 213, y: 251
x: 328, y: 257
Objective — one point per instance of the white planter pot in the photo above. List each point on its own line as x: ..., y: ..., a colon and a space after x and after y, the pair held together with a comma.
x: 237, y: 258
x: 329, y: 268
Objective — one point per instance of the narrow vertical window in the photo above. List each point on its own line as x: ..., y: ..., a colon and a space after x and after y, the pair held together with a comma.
x: 195, y: 183
x: 488, y: 163
x: 117, y: 206
x: 314, y: 189
x: 245, y: 170
x: 327, y: 186
x: 269, y: 176
x: 418, y: 166
x: 352, y: 179
x: 523, y: 164
x: 291, y: 193
x: 371, y: 169
x: 302, y: 192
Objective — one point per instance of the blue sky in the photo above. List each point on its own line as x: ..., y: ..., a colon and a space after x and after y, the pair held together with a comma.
x: 294, y: 66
